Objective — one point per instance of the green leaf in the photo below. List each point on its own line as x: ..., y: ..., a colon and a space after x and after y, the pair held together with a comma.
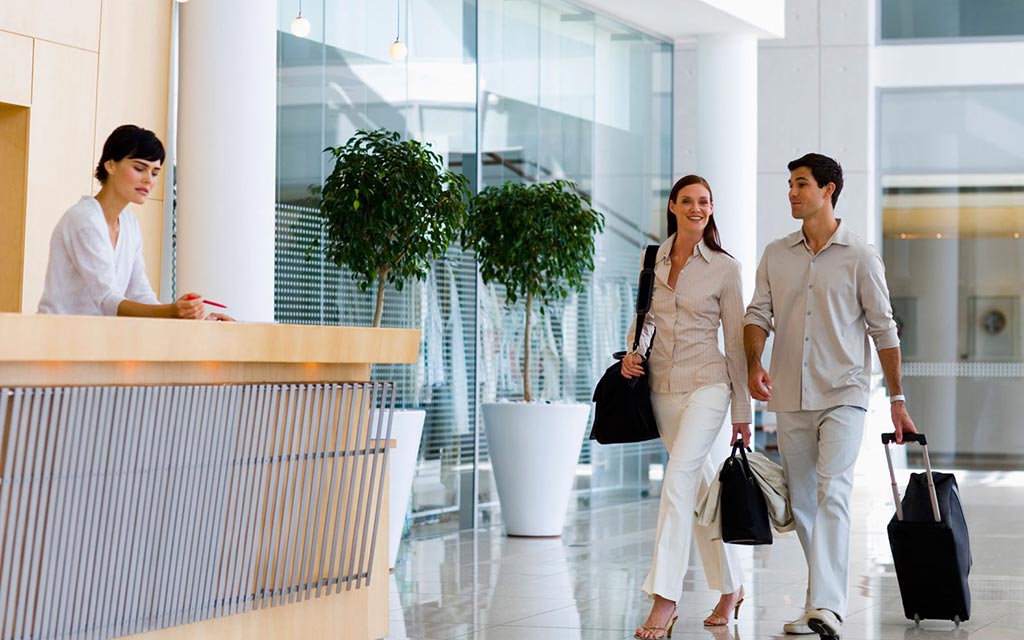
x: 389, y: 206
x: 537, y: 240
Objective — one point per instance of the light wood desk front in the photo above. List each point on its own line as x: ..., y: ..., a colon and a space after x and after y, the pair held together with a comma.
x: 193, y: 479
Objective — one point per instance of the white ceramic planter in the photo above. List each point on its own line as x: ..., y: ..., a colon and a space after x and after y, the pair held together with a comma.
x: 406, y: 431
x: 534, y: 448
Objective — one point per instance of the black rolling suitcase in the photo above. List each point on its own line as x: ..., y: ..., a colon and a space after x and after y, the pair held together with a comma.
x: 930, y: 547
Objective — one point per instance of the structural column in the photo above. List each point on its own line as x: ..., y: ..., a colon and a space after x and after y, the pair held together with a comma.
x: 226, y: 159
x: 727, y: 151
x: 727, y: 141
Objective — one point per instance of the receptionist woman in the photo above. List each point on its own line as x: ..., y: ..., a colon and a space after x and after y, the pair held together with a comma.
x: 96, y: 265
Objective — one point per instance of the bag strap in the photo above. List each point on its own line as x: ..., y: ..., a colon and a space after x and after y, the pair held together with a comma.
x: 738, y: 446
x: 645, y: 291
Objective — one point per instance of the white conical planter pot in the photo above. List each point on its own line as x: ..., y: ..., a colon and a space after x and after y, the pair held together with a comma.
x: 406, y: 431
x: 534, y: 448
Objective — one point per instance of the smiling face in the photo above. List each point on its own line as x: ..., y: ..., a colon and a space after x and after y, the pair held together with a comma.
x: 132, y: 178
x: 806, y: 198
x: 692, y: 209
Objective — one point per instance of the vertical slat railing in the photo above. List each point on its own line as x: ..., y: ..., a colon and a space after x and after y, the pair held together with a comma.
x: 128, y: 509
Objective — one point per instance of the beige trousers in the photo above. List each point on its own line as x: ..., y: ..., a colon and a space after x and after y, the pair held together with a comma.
x: 819, y: 451
x: 689, y: 424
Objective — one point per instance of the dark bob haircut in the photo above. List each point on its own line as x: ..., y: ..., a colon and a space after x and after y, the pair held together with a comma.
x: 824, y: 169
x: 129, y: 141
x: 711, y: 238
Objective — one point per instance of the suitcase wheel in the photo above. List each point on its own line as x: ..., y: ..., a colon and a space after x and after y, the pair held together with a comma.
x: 917, y: 620
x: 956, y: 621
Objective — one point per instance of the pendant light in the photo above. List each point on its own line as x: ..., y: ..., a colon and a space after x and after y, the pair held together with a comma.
x: 398, y: 50
x: 300, y: 26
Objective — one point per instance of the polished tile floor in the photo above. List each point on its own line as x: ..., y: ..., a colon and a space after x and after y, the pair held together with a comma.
x: 585, y: 586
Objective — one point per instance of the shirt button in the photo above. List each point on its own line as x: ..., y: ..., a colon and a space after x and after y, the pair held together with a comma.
x: 810, y: 286
x: 807, y: 339
x: 808, y: 313
x: 805, y: 364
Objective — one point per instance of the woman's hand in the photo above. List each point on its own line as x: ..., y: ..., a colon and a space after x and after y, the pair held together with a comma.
x: 741, y: 430
x: 188, y: 307
x: 632, y: 366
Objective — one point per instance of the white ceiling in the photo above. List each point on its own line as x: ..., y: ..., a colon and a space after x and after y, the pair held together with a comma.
x: 685, y: 19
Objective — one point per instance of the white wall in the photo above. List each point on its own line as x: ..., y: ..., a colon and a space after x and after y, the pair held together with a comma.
x: 949, y: 65
x: 815, y: 94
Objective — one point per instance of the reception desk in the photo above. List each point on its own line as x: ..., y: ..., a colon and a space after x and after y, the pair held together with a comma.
x: 171, y: 479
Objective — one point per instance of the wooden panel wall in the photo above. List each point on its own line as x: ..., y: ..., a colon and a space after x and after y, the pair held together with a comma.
x: 63, y: 107
x: 74, y: 23
x: 13, y: 170
x: 16, y: 71
x: 82, y: 67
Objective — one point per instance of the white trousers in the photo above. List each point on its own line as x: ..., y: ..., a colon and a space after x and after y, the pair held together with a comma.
x: 689, y: 424
x: 819, y: 450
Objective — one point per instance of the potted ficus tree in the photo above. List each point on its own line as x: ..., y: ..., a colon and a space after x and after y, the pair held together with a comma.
x: 537, y: 240
x: 388, y: 209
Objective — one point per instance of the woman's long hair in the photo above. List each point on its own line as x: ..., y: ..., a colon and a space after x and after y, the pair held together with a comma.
x: 711, y: 238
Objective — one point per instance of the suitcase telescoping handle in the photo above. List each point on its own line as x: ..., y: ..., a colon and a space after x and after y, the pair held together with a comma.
x: 888, y: 438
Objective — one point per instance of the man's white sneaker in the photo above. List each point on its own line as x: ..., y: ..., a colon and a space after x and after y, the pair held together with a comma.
x: 798, y: 626
x: 824, y: 623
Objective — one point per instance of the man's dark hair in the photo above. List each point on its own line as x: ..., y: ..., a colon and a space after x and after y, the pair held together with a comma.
x: 824, y: 169
x: 129, y: 141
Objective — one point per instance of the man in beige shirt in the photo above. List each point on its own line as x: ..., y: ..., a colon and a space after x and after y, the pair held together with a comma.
x: 822, y: 290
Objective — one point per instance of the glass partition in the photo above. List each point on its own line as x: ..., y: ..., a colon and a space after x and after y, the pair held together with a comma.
x: 952, y: 216
x: 555, y: 91
x: 915, y: 19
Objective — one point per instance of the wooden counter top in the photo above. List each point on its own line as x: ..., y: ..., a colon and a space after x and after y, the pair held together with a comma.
x: 52, y: 338
x: 44, y: 350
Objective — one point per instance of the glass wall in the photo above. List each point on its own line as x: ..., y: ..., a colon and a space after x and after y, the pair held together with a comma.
x: 565, y: 93
x: 913, y: 19
x: 554, y: 92
x: 952, y: 177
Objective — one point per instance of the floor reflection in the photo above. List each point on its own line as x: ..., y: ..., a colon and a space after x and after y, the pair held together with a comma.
x: 482, y: 585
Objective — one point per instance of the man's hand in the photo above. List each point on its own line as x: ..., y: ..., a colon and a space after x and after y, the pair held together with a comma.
x: 632, y: 366
x: 741, y: 430
x: 901, y: 421
x: 759, y: 383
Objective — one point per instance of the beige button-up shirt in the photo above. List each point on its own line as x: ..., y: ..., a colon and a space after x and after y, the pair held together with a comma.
x: 823, y: 308
x: 685, y: 354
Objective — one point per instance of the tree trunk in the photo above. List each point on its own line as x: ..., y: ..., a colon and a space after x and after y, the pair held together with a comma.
x: 527, y: 396
x: 379, y: 312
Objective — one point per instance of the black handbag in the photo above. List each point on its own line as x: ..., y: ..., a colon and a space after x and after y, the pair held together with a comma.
x: 742, y: 507
x: 622, y: 411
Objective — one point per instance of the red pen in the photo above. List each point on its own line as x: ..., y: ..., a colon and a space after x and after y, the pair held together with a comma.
x: 193, y: 296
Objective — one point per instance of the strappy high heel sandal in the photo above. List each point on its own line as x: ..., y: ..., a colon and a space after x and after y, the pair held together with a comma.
x: 666, y: 631
x: 718, y: 620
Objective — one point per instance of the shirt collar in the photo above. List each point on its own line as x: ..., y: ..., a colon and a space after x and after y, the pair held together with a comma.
x: 665, y: 250
x: 840, y: 236
x: 704, y: 251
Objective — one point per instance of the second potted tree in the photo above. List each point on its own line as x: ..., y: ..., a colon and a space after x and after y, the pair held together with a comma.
x: 537, y: 240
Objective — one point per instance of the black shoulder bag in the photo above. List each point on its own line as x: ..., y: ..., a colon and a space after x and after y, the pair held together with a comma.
x: 623, y: 407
